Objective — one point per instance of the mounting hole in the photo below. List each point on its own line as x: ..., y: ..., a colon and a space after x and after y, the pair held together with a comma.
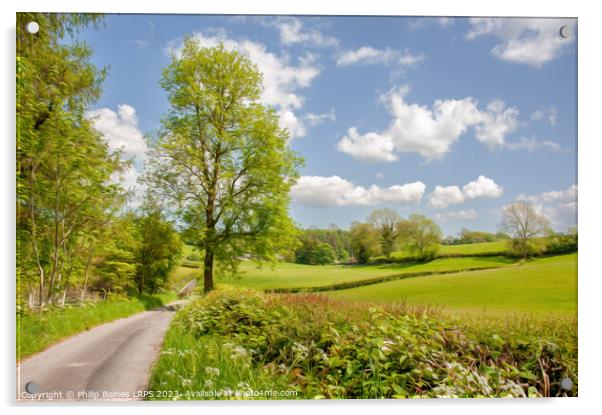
x: 31, y: 387
x: 32, y: 27
x: 566, y: 384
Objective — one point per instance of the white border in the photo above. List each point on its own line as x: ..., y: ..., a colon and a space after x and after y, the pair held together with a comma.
x: 590, y: 277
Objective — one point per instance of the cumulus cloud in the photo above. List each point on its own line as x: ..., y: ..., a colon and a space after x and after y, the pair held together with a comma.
x: 527, y: 41
x: 429, y: 132
x: 319, y: 191
x: 120, y: 129
x: 482, y: 188
x: 292, y: 30
x: 370, y: 147
x: 469, y: 214
x: 282, y: 79
x: 122, y: 133
x: 496, y: 124
x: 559, y: 206
x: 444, y: 196
x: 370, y: 56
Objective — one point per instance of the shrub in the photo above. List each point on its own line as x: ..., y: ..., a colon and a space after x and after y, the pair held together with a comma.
x: 322, y: 348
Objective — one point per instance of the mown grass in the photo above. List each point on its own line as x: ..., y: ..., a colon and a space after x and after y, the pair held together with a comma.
x: 287, y: 275
x: 544, y: 285
x: 38, y: 330
x: 235, y: 344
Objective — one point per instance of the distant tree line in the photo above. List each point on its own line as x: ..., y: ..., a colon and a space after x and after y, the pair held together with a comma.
x: 467, y: 236
x: 383, y: 233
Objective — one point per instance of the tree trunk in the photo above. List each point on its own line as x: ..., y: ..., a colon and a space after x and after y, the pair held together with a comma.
x: 208, y: 269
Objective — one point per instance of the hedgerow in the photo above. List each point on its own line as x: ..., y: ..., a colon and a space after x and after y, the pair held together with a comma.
x: 323, y: 348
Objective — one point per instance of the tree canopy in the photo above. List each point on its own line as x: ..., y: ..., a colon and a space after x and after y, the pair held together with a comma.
x: 221, y: 160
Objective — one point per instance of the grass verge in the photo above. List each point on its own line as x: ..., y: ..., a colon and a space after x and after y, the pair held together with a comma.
x: 37, y: 331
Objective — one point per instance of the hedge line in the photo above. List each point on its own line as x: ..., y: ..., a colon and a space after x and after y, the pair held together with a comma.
x: 371, y: 281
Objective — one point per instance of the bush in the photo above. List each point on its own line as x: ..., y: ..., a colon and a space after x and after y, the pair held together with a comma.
x: 322, y: 348
x: 561, y: 244
x: 313, y: 252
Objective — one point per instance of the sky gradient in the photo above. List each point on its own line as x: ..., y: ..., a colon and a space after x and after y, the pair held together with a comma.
x: 450, y: 117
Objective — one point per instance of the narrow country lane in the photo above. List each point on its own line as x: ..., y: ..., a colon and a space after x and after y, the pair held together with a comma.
x: 109, y: 362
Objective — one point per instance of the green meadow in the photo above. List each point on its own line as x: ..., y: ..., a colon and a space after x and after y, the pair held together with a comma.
x: 546, y: 285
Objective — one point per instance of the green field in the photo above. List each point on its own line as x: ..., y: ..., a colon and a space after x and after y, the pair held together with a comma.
x: 547, y: 285
x: 287, y: 275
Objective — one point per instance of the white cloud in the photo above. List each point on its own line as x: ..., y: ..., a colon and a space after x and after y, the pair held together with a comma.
x: 282, y: 80
x: 531, y: 144
x: 549, y: 114
x: 482, y: 188
x: 554, y: 196
x: 429, y: 131
x: 469, y: 214
x: 442, y: 197
x: 420, y: 22
x: 371, y: 56
x: 559, y: 206
x: 528, y: 41
x: 292, y: 31
x: 370, y: 147
x: 497, y: 122
x: 330, y: 191
x: 122, y: 133
x: 315, y: 119
x: 120, y: 129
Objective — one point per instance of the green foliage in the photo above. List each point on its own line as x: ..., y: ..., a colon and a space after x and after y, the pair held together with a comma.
x: 385, y: 222
x: 421, y: 236
x: 221, y: 160
x: 365, y: 241
x: 65, y: 194
x: 313, y: 252
x: 466, y: 236
x: 309, y: 239
x: 157, y: 251
x: 558, y: 243
x: 319, y: 348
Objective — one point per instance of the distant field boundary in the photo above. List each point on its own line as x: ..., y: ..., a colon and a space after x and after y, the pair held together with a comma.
x: 382, y: 261
x: 375, y: 280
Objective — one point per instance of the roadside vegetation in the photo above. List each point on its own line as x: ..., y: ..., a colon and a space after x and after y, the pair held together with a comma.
x: 232, y: 343
x: 36, y: 331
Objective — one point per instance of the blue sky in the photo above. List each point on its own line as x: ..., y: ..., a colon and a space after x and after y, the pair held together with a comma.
x: 453, y: 118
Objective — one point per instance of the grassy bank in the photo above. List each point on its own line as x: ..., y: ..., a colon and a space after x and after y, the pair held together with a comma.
x: 36, y: 331
x: 243, y: 344
x: 544, y: 285
x: 287, y: 275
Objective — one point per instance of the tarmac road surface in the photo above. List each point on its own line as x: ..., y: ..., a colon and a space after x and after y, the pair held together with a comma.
x: 109, y: 362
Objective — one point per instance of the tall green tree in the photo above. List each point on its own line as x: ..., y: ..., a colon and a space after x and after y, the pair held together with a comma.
x: 221, y: 158
x: 385, y: 222
x: 157, y: 252
x: 64, y: 167
x: 365, y: 241
x: 421, y: 235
